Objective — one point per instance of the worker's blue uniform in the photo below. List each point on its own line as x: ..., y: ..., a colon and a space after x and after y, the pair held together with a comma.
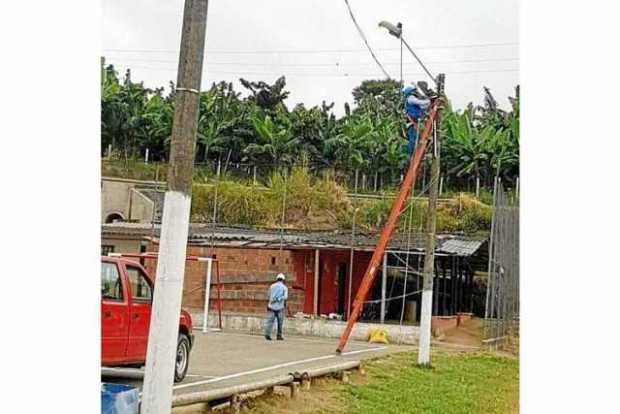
x: 415, y: 108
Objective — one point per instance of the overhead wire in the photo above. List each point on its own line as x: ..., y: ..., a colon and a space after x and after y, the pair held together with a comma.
x: 363, y: 36
x: 308, y: 74
x: 313, y: 51
x: 330, y: 64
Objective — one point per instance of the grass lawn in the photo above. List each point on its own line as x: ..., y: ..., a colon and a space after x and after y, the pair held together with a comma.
x: 457, y: 383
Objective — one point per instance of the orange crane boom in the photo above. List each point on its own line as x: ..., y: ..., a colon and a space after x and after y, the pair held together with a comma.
x: 386, y: 234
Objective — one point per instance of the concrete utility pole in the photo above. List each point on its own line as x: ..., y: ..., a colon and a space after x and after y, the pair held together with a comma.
x: 424, y: 350
x: 163, y: 333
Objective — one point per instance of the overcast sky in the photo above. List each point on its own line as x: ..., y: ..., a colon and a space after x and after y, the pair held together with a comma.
x: 316, y: 46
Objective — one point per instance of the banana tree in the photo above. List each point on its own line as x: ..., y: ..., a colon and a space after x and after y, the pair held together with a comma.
x: 464, y: 149
x: 275, y: 141
x: 220, y: 112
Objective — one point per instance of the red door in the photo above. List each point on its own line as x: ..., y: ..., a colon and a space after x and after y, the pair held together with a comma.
x: 141, y: 293
x: 114, y: 315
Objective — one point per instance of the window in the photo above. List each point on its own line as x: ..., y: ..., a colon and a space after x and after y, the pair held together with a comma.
x: 106, y: 248
x: 140, y: 288
x: 111, y: 287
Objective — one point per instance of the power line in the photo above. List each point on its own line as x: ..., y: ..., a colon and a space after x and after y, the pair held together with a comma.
x: 311, y: 51
x: 369, y: 75
x: 361, y: 33
x: 145, y: 60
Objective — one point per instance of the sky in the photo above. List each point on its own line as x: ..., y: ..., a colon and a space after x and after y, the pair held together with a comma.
x: 316, y: 46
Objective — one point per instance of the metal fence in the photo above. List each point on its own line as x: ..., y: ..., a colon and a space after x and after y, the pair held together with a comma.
x: 502, y: 298
x: 354, y: 180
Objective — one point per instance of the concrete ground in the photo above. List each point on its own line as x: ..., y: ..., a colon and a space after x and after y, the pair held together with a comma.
x: 221, y: 359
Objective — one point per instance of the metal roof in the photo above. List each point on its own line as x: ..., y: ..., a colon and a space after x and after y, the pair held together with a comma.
x: 460, y: 247
x: 268, y: 238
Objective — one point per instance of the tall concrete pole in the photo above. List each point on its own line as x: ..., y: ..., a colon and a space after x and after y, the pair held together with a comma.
x: 166, y: 308
x: 424, y: 350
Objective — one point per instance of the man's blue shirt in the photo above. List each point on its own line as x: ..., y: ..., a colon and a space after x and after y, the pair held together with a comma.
x: 278, y: 293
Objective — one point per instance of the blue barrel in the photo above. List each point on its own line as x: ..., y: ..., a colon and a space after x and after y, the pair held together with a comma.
x: 119, y: 399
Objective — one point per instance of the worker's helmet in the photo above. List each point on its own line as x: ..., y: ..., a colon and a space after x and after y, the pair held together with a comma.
x: 280, y: 276
x: 409, y: 89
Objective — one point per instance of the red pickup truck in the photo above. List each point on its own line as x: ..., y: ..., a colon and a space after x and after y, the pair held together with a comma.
x: 126, y: 294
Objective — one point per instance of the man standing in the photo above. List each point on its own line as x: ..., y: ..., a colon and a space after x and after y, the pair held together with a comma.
x: 415, y: 109
x: 277, y: 295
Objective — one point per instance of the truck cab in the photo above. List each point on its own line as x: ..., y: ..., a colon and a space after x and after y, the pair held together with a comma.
x: 126, y: 296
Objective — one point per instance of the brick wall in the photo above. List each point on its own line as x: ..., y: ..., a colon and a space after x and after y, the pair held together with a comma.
x: 245, y: 276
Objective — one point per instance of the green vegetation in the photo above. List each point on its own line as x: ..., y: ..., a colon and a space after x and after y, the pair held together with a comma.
x: 479, y: 142
x: 320, y: 203
x: 457, y: 383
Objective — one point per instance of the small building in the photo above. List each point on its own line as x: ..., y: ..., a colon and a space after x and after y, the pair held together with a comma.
x: 129, y: 200
x: 323, y: 269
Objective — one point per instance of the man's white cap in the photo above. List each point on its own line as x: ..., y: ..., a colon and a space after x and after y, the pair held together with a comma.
x: 280, y: 276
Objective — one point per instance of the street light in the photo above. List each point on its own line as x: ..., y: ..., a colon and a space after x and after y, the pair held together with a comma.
x: 397, y: 32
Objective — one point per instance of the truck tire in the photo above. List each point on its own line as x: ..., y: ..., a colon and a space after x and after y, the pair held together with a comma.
x: 182, y: 358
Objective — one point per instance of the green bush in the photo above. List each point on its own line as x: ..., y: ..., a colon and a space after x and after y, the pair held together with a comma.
x: 236, y: 203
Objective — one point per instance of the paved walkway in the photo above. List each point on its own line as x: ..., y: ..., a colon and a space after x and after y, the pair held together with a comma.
x: 221, y: 359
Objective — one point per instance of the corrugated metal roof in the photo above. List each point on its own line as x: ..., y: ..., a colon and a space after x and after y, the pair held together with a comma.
x: 460, y: 247
x: 246, y: 237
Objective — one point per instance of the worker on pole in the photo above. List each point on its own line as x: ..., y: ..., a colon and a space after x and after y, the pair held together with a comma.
x: 416, y: 105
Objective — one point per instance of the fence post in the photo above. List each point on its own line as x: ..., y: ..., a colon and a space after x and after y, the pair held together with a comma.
x: 146, y: 156
x: 207, y: 295
x: 383, y: 286
x: 254, y: 175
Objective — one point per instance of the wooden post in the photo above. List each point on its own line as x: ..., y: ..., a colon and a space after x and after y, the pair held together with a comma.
x: 424, y: 351
x: 294, y: 386
x: 235, y: 404
x: 166, y: 305
x: 383, y: 286
x: 356, y: 178
x: 254, y: 175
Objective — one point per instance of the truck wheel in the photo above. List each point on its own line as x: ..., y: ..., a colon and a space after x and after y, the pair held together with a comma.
x: 182, y: 358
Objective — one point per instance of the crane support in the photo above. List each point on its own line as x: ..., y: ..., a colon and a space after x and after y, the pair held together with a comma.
x: 386, y: 234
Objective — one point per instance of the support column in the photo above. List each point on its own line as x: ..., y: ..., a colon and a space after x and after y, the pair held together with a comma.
x: 444, y: 299
x: 383, y: 286
x: 315, y: 307
x: 424, y: 346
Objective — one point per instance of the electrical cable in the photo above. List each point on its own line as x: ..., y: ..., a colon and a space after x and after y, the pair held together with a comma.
x: 311, y: 51
x: 359, y: 30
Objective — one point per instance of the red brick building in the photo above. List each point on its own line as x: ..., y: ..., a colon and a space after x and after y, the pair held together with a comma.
x: 317, y: 267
